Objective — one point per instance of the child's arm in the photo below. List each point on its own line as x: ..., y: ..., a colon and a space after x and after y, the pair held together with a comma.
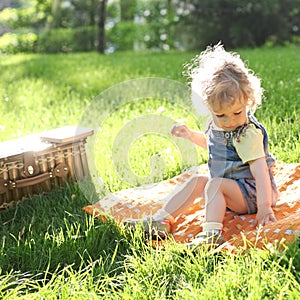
x: 260, y: 172
x: 195, y: 137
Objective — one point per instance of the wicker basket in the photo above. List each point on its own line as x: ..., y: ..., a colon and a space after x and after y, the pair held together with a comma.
x: 38, y: 163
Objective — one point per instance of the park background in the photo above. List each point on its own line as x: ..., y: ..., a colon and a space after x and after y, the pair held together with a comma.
x: 56, y: 57
x: 53, y: 26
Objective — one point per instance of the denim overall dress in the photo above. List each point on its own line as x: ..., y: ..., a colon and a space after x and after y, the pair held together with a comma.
x: 225, y: 162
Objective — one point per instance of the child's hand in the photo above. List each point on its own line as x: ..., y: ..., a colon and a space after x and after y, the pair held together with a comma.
x: 180, y: 130
x: 264, y: 217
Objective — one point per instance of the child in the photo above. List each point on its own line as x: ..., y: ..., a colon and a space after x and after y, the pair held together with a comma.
x: 239, y: 161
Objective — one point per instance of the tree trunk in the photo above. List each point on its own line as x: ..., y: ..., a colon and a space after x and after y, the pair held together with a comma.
x: 101, y: 26
x: 56, y: 14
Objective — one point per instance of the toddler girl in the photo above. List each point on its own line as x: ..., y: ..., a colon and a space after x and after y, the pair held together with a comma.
x: 239, y: 161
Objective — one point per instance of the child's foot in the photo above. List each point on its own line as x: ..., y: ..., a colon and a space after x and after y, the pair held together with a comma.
x: 155, y: 229
x: 209, y: 239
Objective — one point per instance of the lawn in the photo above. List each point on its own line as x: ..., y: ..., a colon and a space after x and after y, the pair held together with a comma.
x: 50, y: 249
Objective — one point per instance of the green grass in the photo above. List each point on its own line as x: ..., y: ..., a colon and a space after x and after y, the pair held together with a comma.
x: 63, y: 254
x: 53, y: 90
x: 51, y: 249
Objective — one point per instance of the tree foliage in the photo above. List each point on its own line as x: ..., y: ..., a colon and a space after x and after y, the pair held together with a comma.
x: 110, y: 25
x: 240, y: 23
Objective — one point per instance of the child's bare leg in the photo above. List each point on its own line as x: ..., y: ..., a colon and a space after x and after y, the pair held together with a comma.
x: 219, y: 194
x: 177, y: 203
x: 183, y: 198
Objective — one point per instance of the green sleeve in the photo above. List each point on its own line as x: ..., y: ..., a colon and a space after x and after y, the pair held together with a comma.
x: 250, y: 146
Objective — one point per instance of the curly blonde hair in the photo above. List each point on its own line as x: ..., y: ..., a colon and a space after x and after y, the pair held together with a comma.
x: 221, y: 77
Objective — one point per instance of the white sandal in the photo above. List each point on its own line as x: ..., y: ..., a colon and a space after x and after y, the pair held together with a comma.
x: 211, y: 239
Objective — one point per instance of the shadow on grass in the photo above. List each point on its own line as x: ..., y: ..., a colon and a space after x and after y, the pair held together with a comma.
x: 50, y: 232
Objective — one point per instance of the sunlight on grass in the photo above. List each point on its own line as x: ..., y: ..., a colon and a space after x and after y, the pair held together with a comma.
x: 140, y: 151
x: 51, y: 249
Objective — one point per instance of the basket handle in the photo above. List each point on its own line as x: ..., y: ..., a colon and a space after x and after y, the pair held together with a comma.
x: 61, y: 170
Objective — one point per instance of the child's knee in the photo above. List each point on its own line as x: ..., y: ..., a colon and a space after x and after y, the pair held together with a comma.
x: 199, y: 180
x: 213, y: 188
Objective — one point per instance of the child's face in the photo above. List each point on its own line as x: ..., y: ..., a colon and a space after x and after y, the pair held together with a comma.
x: 229, y: 116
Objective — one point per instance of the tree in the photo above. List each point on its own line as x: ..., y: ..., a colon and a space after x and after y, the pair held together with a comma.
x: 239, y: 23
x: 87, y: 25
x: 56, y: 14
x: 101, y: 26
x: 128, y: 9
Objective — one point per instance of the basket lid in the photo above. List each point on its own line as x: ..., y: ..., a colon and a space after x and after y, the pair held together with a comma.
x: 42, y: 141
x: 21, y: 145
x: 66, y: 134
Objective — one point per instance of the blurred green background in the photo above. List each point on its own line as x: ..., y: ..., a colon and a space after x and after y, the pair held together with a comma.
x: 109, y: 25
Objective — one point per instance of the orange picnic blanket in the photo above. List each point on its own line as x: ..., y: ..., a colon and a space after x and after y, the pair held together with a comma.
x: 146, y: 200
